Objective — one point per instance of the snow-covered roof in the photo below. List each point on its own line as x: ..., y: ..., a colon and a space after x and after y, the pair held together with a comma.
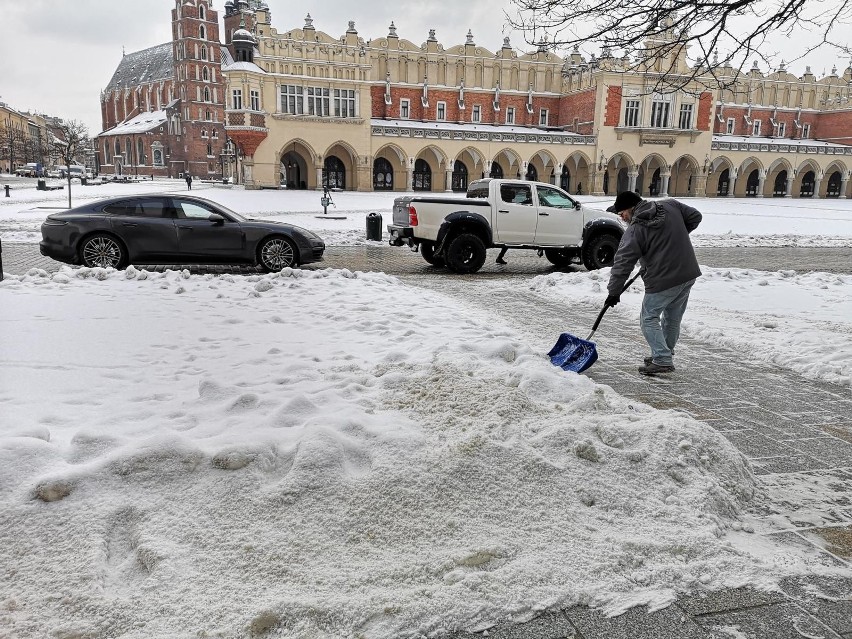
x: 242, y: 66
x: 148, y: 65
x: 483, y: 128
x: 743, y: 139
x: 139, y: 124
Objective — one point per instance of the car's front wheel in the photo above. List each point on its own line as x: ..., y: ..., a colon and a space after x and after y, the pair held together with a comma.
x: 104, y: 251
x: 560, y: 257
x: 275, y: 253
x: 427, y: 250
x: 465, y: 253
x: 600, y: 251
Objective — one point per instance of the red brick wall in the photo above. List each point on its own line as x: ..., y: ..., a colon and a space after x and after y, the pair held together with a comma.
x: 832, y: 127
x: 580, y: 106
x: 762, y: 114
x: 484, y: 99
x: 613, y: 106
x: 705, y: 111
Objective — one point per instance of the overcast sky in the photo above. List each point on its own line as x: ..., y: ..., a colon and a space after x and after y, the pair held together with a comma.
x: 57, y: 55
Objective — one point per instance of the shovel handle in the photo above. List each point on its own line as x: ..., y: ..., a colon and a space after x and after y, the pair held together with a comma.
x: 603, y: 310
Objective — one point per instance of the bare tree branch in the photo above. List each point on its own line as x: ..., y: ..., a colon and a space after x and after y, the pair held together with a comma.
x: 642, y: 30
x: 70, y: 139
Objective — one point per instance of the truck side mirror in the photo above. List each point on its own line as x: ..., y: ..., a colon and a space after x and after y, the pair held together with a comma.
x: 578, y: 206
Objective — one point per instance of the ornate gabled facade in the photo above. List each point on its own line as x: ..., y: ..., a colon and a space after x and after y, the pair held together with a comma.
x: 302, y: 109
x: 163, y: 110
x: 307, y: 109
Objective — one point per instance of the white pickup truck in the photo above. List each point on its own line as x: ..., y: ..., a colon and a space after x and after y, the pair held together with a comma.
x: 455, y: 232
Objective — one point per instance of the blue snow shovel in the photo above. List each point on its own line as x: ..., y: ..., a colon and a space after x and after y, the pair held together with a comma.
x: 571, y: 353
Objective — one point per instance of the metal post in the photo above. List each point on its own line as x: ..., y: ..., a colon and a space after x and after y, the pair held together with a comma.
x: 1, y: 256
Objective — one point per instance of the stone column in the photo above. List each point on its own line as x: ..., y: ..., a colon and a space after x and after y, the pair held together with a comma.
x: 597, y: 183
x: 699, y: 185
x: 843, y: 182
x: 761, y: 179
x: 410, y: 180
x: 664, y: 184
x: 319, y: 178
x: 248, y: 172
x: 817, y: 182
x: 788, y: 191
x: 632, y: 177
x: 449, y: 182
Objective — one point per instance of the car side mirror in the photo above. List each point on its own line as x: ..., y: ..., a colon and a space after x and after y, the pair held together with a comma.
x: 217, y: 219
x: 578, y: 206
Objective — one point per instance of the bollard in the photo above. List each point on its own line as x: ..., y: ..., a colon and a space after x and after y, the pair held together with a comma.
x: 1, y: 255
x: 7, y: 187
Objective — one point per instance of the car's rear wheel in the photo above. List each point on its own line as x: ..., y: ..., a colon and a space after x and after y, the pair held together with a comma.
x: 275, y: 253
x: 102, y: 250
x: 560, y: 257
x: 465, y: 253
x: 599, y: 252
x: 427, y: 250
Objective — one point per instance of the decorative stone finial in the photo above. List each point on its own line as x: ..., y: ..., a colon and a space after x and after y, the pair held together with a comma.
x: 754, y: 66
x: 351, y: 28
x: 716, y: 57
x: 834, y: 70
x: 506, y: 44
x: 432, y: 37
x: 783, y: 67
x: 807, y: 70
x: 392, y: 30
x: 309, y: 22
x: 469, y: 37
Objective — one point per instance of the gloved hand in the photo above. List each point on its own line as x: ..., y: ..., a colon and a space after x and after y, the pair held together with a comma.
x: 612, y: 300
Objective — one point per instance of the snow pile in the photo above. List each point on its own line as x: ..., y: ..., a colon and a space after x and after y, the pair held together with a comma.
x: 800, y: 321
x: 307, y: 453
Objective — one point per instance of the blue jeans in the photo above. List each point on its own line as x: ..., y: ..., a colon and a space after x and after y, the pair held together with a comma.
x: 662, y: 336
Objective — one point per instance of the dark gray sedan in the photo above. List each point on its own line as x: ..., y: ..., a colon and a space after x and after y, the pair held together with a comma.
x: 165, y: 229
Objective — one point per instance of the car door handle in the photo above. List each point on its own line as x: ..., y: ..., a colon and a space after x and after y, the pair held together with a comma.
x: 502, y: 210
x: 129, y: 224
x: 188, y: 228
x: 540, y: 213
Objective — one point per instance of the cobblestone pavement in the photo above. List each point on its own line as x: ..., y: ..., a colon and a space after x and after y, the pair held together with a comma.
x: 19, y: 257
x: 796, y: 433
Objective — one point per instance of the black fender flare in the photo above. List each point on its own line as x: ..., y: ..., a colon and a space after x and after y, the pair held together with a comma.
x: 602, y: 225
x: 471, y: 222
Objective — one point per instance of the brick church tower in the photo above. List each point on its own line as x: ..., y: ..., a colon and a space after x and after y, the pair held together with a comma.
x: 200, y: 87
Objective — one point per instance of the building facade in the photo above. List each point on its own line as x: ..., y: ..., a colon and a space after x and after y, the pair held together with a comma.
x: 163, y: 109
x: 303, y: 109
x: 24, y: 138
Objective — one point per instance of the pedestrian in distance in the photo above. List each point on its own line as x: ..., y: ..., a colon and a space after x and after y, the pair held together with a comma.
x: 657, y: 237
x: 188, y: 182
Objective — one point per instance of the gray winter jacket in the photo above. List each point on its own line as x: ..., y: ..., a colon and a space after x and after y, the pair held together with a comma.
x: 658, y: 237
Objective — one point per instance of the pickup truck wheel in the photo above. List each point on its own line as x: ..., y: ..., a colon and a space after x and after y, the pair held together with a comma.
x: 427, y: 250
x: 600, y: 251
x: 465, y: 253
x: 560, y: 257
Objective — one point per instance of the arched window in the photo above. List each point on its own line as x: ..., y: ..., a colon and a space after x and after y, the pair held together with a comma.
x: 779, y: 189
x: 202, y: 12
x: 106, y: 152
x: 724, y: 182
x: 129, y: 148
x: 203, y: 52
x: 158, y: 157
x: 382, y: 175
x: 752, y: 183
x: 209, y: 149
x: 807, y: 189
x: 834, y: 183
x: 334, y: 173
x: 117, y: 147
x: 140, y: 153
x: 422, y: 176
x: 202, y: 31
x: 496, y: 171
x: 459, y: 176
x: 205, y: 74
x: 206, y: 94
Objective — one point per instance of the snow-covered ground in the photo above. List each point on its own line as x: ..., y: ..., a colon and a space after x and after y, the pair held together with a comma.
x: 225, y: 455
x: 727, y: 222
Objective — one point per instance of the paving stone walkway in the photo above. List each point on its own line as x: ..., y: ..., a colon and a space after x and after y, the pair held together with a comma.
x: 796, y: 433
